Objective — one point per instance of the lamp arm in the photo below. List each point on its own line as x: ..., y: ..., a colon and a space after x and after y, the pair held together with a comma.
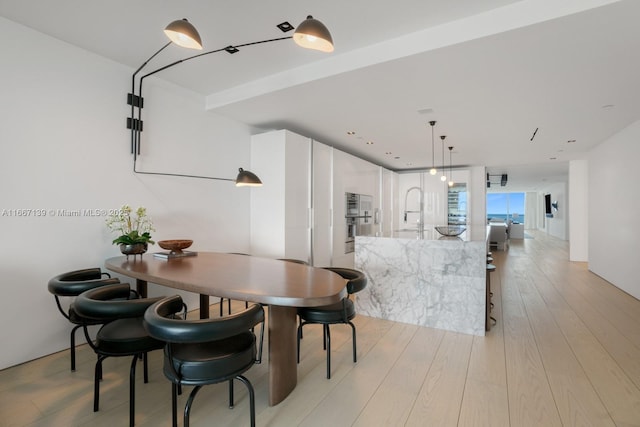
x: 210, y: 52
x: 133, y: 91
x: 150, y: 58
x: 135, y: 133
x: 178, y: 174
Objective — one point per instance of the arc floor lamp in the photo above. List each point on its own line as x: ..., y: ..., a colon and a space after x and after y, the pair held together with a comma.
x: 310, y: 34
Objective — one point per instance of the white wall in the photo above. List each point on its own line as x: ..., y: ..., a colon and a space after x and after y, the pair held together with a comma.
x: 64, y: 145
x: 477, y: 197
x: 532, y: 213
x: 613, y: 204
x: 579, y: 210
x: 559, y: 224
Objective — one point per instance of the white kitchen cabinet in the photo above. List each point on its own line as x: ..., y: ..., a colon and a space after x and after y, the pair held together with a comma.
x: 281, y: 208
x: 387, y: 220
x: 299, y: 212
x: 322, y: 206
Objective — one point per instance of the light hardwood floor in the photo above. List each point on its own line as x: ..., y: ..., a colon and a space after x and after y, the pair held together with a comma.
x: 565, y: 351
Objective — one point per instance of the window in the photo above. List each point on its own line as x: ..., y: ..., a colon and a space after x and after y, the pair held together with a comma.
x: 505, y: 206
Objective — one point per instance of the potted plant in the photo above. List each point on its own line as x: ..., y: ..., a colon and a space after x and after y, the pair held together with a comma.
x: 134, y: 229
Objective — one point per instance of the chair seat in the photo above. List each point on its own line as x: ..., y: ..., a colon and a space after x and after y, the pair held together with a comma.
x: 332, y: 313
x: 203, y: 363
x: 122, y: 337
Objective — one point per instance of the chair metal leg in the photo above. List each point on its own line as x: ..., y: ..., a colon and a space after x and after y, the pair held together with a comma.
x: 252, y: 399
x: 228, y: 306
x: 174, y: 404
x: 353, y: 339
x: 300, y: 324
x: 100, y: 373
x: 298, y: 340
x: 72, y: 347
x: 259, y: 359
x: 96, y: 383
x: 231, y: 393
x: 187, y: 407
x: 324, y: 336
x: 132, y: 391
x: 328, y: 347
x: 146, y: 367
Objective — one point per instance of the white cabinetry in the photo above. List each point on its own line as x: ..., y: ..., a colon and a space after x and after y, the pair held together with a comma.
x: 299, y: 212
x: 281, y: 208
x: 387, y: 219
x: 322, y: 194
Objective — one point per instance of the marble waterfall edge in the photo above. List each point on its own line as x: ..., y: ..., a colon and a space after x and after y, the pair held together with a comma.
x: 434, y: 283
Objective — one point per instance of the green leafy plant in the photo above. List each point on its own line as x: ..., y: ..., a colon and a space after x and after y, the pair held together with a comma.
x: 133, y: 227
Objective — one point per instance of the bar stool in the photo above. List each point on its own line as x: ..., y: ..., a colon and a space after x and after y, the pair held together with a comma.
x: 488, y: 304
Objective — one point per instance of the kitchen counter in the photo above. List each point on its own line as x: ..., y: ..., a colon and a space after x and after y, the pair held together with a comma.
x: 426, y: 280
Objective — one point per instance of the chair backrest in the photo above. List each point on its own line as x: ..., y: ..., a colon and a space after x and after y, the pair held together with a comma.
x: 357, y: 281
x: 111, y: 302
x: 73, y: 283
x: 161, y: 325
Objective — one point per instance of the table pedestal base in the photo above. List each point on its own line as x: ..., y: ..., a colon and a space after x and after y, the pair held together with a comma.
x: 283, y: 367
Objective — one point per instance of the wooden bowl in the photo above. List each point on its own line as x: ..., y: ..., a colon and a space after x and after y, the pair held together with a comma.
x: 175, y: 246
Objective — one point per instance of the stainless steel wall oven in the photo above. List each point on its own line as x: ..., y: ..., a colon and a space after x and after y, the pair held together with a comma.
x: 358, y: 215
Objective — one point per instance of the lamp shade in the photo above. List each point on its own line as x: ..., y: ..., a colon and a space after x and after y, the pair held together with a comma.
x: 247, y: 179
x: 312, y: 34
x: 182, y: 33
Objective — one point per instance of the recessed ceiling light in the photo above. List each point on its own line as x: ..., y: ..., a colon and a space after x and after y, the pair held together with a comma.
x: 388, y: 153
x: 351, y: 132
x: 397, y: 157
x: 571, y: 141
x: 369, y: 142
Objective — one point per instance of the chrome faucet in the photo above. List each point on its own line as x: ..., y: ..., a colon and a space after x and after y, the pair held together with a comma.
x: 421, y: 211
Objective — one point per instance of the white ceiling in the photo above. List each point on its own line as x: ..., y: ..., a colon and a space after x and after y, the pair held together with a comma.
x: 490, y: 72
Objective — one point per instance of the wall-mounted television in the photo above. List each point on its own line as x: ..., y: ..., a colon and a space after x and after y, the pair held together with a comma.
x: 547, y: 206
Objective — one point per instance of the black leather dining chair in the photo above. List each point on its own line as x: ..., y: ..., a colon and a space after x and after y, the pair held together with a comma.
x: 122, y: 334
x: 341, y: 312
x: 70, y: 285
x: 204, y: 351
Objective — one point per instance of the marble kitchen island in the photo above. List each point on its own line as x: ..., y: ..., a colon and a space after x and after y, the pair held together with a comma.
x: 424, y: 279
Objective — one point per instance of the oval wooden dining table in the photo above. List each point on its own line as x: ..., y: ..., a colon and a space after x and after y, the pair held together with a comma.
x: 281, y: 285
